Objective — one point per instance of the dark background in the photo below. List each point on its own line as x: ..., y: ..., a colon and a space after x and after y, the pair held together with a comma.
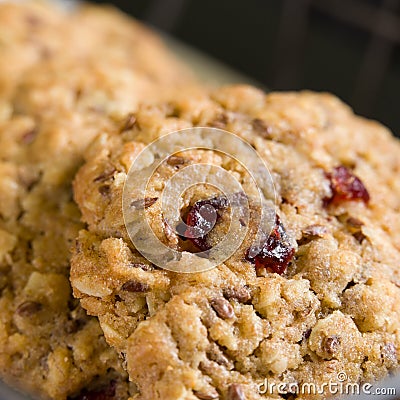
x: 348, y: 47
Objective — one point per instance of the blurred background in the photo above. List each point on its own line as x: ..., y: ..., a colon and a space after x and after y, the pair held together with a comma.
x: 348, y: 47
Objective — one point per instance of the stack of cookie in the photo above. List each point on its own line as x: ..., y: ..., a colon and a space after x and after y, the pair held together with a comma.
x: 310, y: 299
x: 64, y: 78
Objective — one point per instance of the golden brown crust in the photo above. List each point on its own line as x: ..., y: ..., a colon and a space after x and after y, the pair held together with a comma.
x: 335, y: 309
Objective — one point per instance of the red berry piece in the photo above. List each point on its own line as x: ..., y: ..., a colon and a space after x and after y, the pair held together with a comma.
x: 201, y: 218
x: 274, y: 253
x: 345, y: 186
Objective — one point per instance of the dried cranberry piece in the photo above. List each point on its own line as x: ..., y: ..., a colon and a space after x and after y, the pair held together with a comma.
x: 345, y: 186
x: 107, y: 393
x: 275, y: 253
x: 202, y: 218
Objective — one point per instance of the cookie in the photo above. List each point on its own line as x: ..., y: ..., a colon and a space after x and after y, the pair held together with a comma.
x: 33, y: 32
x: 28, y: 33
x: 73, y: 74
x: 315, y: 299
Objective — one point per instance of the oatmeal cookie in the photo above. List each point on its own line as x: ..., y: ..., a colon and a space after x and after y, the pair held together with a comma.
x: 28, y: 34
x: 71, y: 75
x: 318, y: 297
x: 32, y: 32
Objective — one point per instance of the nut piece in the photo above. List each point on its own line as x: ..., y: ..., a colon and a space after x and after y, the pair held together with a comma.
x: 235, y: 392
x: 104, y: 190
x: 176, y: 160
x: 135, y: 287
x: 331, y: 344
x: 29, y: 136
x: 146, y: 202
x: 170, y: 234
x: 216, y: 355
x: 354, y: 225
x: 144, y: 267
x: 240, y: 293
x: 209, y: 395
x: 106, y: 175
x: 220, y: 121
x: 223, y: 308
x: 261, y: 128
x: 28, y: 308
x: 129, y: 123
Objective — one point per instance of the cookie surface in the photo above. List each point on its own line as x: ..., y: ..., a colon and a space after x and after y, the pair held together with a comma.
x: 319, y: 299
x: 74, y: 75
x: 28, y: 34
